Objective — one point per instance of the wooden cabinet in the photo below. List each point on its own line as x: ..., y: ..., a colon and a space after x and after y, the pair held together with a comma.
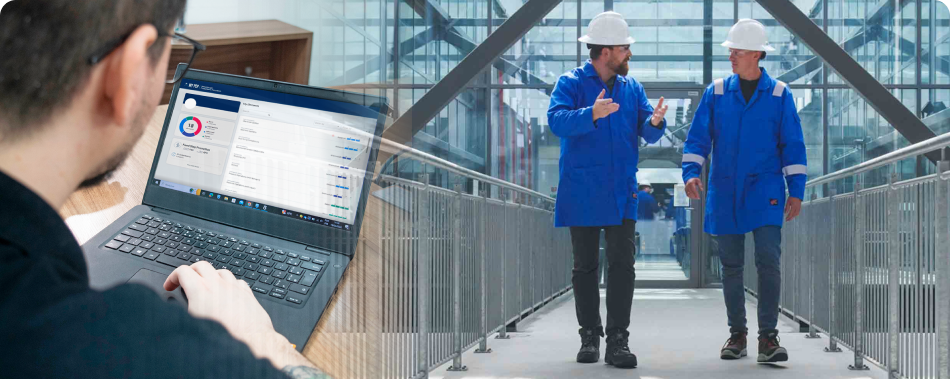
x: 267, y: 49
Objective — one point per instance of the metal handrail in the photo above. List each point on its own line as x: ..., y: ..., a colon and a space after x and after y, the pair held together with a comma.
x: 914, y: 150
x: 403, y: 150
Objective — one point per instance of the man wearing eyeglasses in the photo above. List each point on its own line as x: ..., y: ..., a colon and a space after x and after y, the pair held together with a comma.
x: 78, y: 82
x: 750, y: 124
x: 600, y: 114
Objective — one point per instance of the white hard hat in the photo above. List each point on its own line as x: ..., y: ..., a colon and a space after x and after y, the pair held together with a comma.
x: 645, y: 182
x: 608, y: 29
x: 748, y: 34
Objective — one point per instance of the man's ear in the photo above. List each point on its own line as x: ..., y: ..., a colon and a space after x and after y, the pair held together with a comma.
x: 127, y: 71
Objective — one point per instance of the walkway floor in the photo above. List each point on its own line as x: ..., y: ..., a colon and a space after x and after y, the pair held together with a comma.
x: 658, y: 267
x: 675, y: 334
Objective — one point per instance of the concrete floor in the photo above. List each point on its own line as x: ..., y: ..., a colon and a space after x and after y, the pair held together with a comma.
x: 674, y: 333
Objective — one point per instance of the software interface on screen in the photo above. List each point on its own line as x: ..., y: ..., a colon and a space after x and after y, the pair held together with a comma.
x: 267, y: 151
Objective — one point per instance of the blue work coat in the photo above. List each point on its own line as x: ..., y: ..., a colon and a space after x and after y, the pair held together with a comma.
x: 646, y: 206
x: 598, y: 165
x: 757, y: 149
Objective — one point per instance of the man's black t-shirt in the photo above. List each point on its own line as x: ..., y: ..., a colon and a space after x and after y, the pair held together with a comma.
x: 53, y: 325
x: 748, y: 88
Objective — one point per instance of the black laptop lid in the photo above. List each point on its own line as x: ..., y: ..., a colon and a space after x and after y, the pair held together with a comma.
x: 275, y: 158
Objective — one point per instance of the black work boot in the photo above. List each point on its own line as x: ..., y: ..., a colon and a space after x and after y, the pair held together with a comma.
x: 769, y: 350
x: 735, y: 346
x: 618, y: 352
x: 590, y: 345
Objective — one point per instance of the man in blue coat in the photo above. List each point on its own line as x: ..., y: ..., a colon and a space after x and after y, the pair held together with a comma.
x: 600, y: 114
x: 749, y: 123
x: 646, y: 203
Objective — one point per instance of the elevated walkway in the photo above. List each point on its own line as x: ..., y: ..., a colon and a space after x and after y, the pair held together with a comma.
x: 675, y: 333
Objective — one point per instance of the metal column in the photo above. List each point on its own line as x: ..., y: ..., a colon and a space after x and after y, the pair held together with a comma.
x: 503, y: 331
x: 811, y: 253
x: 483, y: 236
x: 833, y: 287
x: 424, y: 255
x: 457, y: 278
x: 942, y: 239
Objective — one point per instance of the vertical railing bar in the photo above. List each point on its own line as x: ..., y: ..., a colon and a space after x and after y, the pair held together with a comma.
x: 503, y: 332
x: 406, y: 295
x: 390, y: 365
x: 860, y: 237
x: 811, y: 253
x: 893, y: 221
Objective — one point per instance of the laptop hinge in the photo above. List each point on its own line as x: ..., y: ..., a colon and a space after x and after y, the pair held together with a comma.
x: 319, y: 250
x: 162, y: 211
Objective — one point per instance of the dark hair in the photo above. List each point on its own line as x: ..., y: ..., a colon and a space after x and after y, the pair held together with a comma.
x: 46, y: 45
x: 762, y: 58
x: 596, y: 50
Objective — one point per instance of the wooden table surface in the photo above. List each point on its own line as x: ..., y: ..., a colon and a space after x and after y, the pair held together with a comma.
x: 347, y: 341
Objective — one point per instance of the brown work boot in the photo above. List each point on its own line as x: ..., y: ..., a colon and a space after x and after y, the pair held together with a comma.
x: 769, y: 350
x: 735, y: 346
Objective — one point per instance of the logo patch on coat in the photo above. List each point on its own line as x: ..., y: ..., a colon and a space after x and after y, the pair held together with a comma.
x: 773, y: 201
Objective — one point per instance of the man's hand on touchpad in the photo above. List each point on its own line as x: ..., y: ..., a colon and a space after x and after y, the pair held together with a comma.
x: 217, y: 295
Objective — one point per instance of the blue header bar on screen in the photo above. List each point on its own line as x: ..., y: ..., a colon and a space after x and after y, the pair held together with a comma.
x: 214, y: 103
x: 280, y: 98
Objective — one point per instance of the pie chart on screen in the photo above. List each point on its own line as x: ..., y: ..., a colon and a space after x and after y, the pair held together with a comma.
x: 190, y: 126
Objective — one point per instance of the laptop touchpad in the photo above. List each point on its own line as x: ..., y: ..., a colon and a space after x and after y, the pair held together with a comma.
x: 154, y: 281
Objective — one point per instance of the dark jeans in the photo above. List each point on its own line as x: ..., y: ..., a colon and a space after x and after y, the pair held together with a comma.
x: 768, y: 253
x: 620, y: 275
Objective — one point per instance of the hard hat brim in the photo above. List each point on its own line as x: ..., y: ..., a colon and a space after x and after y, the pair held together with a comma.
x: 618, y: 42
x: 730, y: 44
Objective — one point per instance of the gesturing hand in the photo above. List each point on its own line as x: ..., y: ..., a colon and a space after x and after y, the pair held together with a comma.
x: 693, y: 188
x: 604, y: 107
x: 659, y: 113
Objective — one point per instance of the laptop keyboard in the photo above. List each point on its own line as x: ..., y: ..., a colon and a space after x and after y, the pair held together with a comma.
x: 282, y: 275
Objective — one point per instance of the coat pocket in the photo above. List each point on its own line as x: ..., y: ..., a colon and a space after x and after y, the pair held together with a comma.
x: 764, y: 192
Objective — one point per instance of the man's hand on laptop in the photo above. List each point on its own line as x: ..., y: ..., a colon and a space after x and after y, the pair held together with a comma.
x: 217, y: 295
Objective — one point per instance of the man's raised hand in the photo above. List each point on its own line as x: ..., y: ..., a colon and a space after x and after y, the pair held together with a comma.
x: 604, y: 107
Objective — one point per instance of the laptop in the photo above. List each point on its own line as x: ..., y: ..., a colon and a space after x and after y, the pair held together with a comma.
x: 266, y: 179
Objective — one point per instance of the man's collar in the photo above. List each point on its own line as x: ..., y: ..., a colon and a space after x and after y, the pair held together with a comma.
x: 764, y: 81
x: 28, y: 222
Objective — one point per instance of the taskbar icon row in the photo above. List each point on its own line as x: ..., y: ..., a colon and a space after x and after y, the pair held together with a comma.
x: 255, y: 205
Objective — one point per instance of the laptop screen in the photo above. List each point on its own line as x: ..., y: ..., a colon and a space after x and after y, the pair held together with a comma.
x: 265, y: 151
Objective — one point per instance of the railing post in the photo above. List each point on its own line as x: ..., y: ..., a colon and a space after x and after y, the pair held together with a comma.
x: 457, y: 278
x: 503, y: 331
x: 860, y: 236
x: 832, y: 266
x: 893, y: 275
x: 812, y: 260
x: 424, y: 253
x: 482, y: 238
x: 942, y: 261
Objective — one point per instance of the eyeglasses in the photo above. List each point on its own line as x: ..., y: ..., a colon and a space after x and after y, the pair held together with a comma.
x: 739, y: 53
x: 181, y: 39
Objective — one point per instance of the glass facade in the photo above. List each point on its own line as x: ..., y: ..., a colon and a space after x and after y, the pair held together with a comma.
x: 498, y: 124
